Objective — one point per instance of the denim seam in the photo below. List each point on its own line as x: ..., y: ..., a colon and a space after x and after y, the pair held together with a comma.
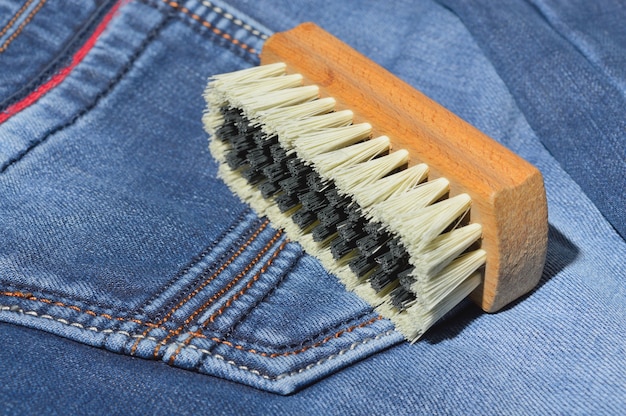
x: 92, y: 314
x: 112, y: 84
x: 303, y: 348
x: 198, y: 289
x: 175, y: 6
x: 248, y: 285
x: 38, y: 292
x: 21, y: 27
x: 236, y: 21
x: 221, y: 293
x: 15, y: 17
x: 29, y: 294
x: 229, y: 302
x: 195, y: 260
x: 205, y: 353
x: 251, y: 307
x: 246, y: 55
x: 19, y: 310
x: 56, y: 62
x: 310, y: 339
x: 230, y: 254
x: 15, y: 308
x: 50, y: 303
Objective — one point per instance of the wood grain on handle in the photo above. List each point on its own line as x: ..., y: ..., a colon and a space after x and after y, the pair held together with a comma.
x: 508, y: 196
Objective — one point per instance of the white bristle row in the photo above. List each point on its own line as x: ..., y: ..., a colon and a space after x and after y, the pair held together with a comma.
x: 418, y: 228
x: 232, y: 79
x: 324, y: 140
x: 430, y: 225
x: 327, y: 163
x: 367, y: 173
x: 319, y: 123
x: 252, y: 89
x: 430, y: 316
x: 433, y: 291
x: 281, y: 98
x: 274, y: 118
x: 212, y: 120
x: 409, y: 202
x: 218, y: 83
x: 389, y: 186
x: 433, y: 256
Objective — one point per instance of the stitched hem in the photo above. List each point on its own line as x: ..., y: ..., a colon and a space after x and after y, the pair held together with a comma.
x: 194, y: 261
x: 17, y: 309
x: 59, y: 77
x: 233, y: 343
x: 217, y: 23
x: 62, y: 57
x: 112, y: 83
x: 338, y: 354
x: 22, y: 25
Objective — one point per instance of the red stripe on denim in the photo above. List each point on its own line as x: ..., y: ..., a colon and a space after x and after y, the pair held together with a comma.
x: 63, y: 73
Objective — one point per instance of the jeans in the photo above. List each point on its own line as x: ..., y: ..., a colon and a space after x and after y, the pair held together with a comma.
x: 117, y: 234
x: 576, y: 106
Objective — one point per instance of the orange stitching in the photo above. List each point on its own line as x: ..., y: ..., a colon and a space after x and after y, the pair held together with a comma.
x: 15, y: 17
x: 220, y: 293
x: 325, y: 340
x: 246, y: 287
x: 19, y: 29
x: 228, y: 302
x: 197, y: 334
x: 205, y: 283
x: 180, y: 347
x: 214, y: 275
x: 338, y: 334
x: 29, y: 296
x: 208, y: 25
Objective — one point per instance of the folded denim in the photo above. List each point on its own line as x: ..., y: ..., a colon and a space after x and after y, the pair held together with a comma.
x: 564, y: 63
x: 50, y: 41
x: 111, y: 217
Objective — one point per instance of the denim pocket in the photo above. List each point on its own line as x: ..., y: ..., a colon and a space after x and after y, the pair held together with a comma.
x: 117, y: 233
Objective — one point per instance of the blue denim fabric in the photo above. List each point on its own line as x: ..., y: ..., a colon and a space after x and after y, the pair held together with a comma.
x: 564, y: 64
x: 53, y: 35
x: 118, y: 233
x: 111, y: 217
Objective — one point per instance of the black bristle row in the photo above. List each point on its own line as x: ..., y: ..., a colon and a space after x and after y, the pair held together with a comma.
x: 316, y: 203
x: 402, y: 298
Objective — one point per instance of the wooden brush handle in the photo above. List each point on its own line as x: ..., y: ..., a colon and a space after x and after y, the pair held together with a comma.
x: 508, y: 197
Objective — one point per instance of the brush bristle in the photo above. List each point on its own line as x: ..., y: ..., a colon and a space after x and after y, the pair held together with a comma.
x: 398, y: 240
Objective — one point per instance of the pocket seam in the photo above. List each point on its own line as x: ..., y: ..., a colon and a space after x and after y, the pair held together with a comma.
x: 113, y: 82
x: 90, y: 312
x: 15, y: 17
x: 194, y: 334
x: 15, y: 308
x: 216, y: 295
x: 206, y: 353
x: 233, y: 298
x: 195, y: 260
x: 222, y: 34
x: 21, y: 27
x: 293, y: 352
